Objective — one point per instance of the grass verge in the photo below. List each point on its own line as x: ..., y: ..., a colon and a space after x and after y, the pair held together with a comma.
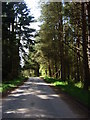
x: 9, y: 85
x: 74, y: 90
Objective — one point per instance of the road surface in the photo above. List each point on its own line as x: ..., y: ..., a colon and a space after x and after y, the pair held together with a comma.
x: 35, y: 99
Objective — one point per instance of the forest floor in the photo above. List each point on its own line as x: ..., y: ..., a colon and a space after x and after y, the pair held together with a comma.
x: 35, y: 99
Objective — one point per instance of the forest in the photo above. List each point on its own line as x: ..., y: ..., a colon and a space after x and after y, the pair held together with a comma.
x: 65, y: 41
x: 60, y: 49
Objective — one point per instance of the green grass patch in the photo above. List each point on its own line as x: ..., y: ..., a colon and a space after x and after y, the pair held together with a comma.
x: 7, y: 85
x: 51, y: 80
x: 79, y: 85
x: 75, y: 90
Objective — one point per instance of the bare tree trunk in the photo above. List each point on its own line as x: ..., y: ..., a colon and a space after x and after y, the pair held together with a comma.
x: 78, y: 61
x: 49, y: 68
x: 88, y: 9
x: 60, y: 30
x: 56, y: 69
x: 38, y: 67
x: 85, y: 56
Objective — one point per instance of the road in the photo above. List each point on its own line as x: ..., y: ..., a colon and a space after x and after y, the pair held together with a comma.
x: 35, y: 99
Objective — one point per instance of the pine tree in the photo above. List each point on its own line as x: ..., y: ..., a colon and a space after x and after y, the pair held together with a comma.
x: 15, y: 21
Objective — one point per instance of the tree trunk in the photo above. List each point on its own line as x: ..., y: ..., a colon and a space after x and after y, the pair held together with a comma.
x: 49, y: 68
x: 60, y: 29
x: 78, y: 61
x: 38, y: 66
x: 88, y: 9
x: 85, y: 57
x: 68, y: 72
x: 56, y: 69
x: 46, y: 72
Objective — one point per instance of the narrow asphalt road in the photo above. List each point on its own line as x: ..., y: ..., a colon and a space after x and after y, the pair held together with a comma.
x: 35, y: 99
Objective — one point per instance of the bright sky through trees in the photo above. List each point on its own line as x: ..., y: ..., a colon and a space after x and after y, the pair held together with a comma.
x: 35, y: 11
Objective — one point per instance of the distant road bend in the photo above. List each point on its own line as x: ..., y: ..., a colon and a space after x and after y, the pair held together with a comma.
x: 35, y: 99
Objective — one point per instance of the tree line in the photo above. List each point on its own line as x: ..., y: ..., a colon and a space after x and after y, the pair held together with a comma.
x: 61, y: 48
x: 16, y: 37
x: 65, y: 41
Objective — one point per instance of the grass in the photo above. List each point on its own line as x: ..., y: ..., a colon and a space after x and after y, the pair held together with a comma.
x: 75, y: 90
x: 10, y: 84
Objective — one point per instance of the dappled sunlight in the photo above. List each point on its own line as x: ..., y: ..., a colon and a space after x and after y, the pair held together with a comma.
x: 22, y: 110
x: 50, y: 40
x: 33, y: 112
x: 17, y: 90
x: 31, y: 88
x: 31, y: 91
x: 8, y: 112
x: 34, y: 99
x: 43, y: 96
x: 52, y: 96
x: 42, y: 84
x: 8, y: 99
x: 17, y: 95
x: 38, y: 115
x: 31, y: 94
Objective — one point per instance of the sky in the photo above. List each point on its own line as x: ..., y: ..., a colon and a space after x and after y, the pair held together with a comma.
x: 35, y: 12
x: 33, y: 5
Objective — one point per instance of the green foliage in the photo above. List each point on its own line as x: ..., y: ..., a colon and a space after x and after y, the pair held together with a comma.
x: 51, y: 80
x: 62, y: 41
x: 16, y: 37
x: 58, y: 83
x: 79, y: 85
x: 5, y: 86
x: 76, y: 91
